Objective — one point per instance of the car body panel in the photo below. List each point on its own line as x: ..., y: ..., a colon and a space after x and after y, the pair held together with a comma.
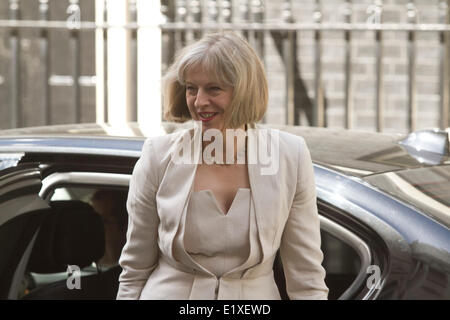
x: 68, y: 145
x: 427, y: 189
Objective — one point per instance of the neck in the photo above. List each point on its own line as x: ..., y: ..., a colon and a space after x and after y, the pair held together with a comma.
x: 239, y: 144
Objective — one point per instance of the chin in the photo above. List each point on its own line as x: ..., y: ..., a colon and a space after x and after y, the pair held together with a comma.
x: 206, y: 125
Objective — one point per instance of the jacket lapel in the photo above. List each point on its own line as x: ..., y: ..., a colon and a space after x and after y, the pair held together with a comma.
x: 265, y: 188
x: 176, y: 186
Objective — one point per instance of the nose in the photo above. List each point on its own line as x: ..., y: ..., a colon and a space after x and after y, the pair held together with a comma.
x: 201, y: 98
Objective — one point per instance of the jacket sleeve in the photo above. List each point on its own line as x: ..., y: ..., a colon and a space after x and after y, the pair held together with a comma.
x: 140, y: 254
x: 300, y: 244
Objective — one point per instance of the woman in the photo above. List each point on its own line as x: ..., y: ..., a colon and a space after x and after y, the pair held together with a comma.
x: 204, y: 228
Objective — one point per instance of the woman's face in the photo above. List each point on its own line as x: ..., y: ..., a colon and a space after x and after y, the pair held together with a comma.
x: 207, y: 99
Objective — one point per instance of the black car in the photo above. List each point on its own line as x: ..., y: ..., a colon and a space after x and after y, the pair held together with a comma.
x: 383, y: 202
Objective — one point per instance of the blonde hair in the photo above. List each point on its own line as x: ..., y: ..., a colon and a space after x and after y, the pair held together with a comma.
x: 231, y: 61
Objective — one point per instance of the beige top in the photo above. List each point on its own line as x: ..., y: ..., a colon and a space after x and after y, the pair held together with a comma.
x: 216, y: 241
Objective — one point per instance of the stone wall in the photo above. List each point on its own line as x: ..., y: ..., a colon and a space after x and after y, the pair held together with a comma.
x: 395, y: 65
x: 31, y: 66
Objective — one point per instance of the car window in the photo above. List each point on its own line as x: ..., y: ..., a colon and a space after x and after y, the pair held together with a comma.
x: 8, y: 160
x: 347, y: 255
x: 109, y: 206
x: 341, y: 262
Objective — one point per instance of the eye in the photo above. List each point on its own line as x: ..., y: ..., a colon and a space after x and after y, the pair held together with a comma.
x: 191, y: 89
x: 214, y: 88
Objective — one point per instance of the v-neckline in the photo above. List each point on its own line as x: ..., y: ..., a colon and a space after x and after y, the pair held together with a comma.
x: 217, y: 202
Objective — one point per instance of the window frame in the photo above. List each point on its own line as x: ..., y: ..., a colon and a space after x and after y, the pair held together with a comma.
x: 356, y: 243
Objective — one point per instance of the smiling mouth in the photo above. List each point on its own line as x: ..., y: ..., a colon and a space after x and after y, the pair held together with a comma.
x: 207, y: 115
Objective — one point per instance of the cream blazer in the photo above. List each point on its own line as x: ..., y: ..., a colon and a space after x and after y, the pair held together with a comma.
x: 156, y: 266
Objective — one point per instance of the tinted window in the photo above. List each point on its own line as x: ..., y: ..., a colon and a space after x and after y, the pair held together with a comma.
x: 99, y: 279
x: 341, y: 263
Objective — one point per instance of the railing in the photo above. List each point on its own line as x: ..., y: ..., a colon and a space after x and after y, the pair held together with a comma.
x: 13, y: 25
x: 189, y: 20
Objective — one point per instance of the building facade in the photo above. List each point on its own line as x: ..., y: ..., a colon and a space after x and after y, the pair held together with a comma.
x: 362, y: 64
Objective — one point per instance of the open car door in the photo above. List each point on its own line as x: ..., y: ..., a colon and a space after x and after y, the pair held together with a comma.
x: 22, y: 211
